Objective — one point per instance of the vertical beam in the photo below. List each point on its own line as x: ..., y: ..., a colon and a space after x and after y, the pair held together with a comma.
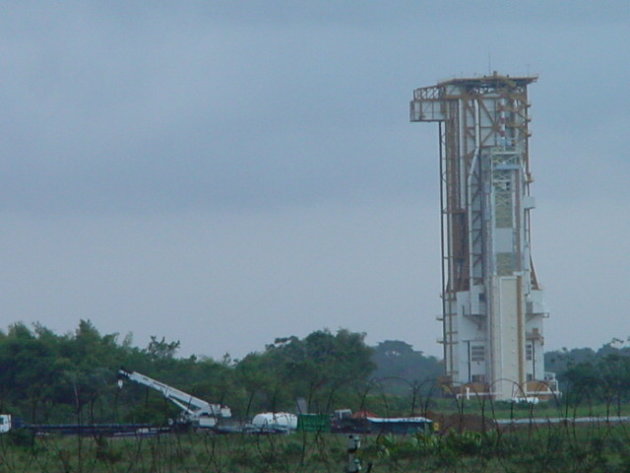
x: 445, y: 257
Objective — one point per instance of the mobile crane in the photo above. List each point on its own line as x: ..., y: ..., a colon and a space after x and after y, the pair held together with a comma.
x: 195, y: 411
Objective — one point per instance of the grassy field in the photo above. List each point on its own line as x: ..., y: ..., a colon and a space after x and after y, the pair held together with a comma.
x: 505, y: 410
x: 559, y: 448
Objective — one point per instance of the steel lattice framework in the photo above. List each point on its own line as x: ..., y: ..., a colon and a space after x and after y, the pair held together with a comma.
x: 492, y: 300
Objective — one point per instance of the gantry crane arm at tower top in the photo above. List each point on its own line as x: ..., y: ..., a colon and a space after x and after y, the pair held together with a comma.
x: 193, y: 408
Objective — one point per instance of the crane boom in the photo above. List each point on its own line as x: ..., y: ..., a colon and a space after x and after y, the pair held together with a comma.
x: 193, y: 408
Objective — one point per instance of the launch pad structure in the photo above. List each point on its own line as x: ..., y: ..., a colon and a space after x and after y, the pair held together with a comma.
x: 492, y: 302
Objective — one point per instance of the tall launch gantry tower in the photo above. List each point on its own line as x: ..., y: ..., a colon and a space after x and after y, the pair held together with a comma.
x: 492, y: 304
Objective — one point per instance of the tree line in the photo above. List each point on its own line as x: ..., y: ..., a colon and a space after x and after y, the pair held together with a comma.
x: 50, y: 378
x: 593, y: 376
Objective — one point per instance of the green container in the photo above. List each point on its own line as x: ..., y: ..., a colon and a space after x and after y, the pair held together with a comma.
x: 313, y: 423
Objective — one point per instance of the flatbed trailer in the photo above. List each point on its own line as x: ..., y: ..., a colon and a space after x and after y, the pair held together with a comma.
x: 86, y: 429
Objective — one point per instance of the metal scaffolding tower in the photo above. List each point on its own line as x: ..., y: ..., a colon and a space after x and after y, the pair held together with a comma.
x: 492, y: 304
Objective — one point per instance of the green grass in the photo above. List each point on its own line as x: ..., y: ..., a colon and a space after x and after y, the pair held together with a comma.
x: 560, y: 448
x: 552, y: 408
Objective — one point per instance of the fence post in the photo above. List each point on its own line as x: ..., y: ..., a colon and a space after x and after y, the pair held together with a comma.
x: 354, y: 464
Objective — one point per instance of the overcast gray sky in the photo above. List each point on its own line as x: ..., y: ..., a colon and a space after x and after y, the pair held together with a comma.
x: 223, y: 173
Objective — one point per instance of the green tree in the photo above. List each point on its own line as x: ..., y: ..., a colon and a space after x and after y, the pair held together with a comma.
x: 397, y: 360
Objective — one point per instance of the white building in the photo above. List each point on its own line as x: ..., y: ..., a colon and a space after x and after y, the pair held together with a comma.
x: 493, y: 307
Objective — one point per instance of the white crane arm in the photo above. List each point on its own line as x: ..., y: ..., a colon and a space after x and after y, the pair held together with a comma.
x: 191, y: 405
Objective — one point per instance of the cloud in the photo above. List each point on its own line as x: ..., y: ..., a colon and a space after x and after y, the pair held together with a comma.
x: 225, y: 282
x: 204, y: 163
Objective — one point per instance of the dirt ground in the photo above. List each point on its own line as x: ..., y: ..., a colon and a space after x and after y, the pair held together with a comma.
x: 461, y: 422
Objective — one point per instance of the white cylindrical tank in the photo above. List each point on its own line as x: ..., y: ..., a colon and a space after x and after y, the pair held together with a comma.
x: 283, y: 420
